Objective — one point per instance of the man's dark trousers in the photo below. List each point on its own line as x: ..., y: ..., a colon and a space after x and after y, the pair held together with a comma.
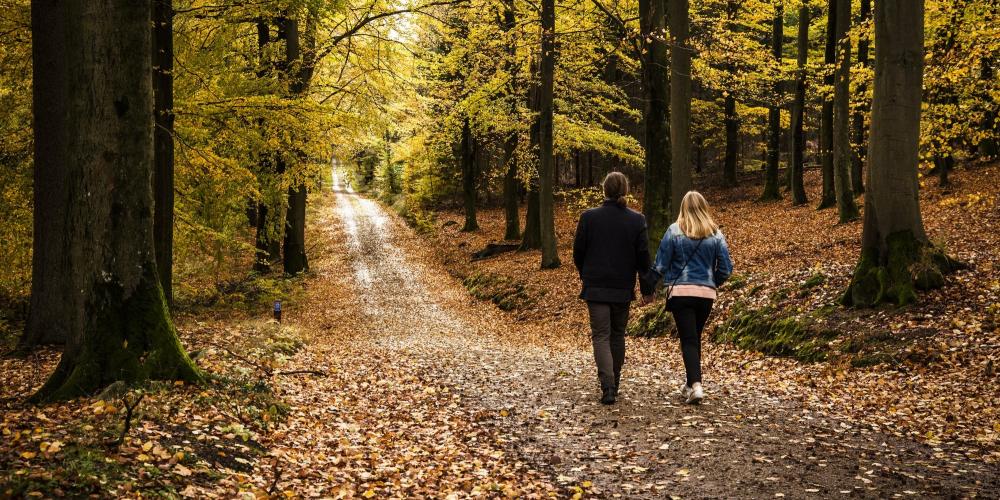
x: 607, y: 326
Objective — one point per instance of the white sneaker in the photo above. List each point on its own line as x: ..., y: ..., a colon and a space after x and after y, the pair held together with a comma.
x: 685, y: 392
x: 694, y: 394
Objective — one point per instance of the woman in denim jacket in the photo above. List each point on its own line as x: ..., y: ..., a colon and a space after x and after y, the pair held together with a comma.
x: 693, y: 260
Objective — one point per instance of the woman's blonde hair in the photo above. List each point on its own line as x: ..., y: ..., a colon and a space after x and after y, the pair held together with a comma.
x: 694, y: 219
x: 616, y: 187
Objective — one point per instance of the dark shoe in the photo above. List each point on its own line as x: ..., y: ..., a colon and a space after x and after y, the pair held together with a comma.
x: 608, y: 398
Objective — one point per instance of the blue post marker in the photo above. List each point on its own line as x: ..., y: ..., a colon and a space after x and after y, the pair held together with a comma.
x: 277, y: 310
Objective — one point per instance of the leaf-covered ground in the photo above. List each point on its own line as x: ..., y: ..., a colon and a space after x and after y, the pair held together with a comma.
x: 388, y: 379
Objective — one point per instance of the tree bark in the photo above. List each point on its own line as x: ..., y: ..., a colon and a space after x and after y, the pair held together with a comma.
x: 546, y: 163
x: 732, y: 124
x: 829, y: 196
x: 267, y: 246
x: 860, y: 149
x: 847, y: 210
x: 532, y: 237
x: 467, y: 153
x: 49, y: 310
x: 119, y: 325
x: 896, y: 256
x: 512, y: 223
x: 163, y: 143
x: 298, y: 70
x: 680, y: 104
x: 771, y: 187
x: 656, y: 127
x: 798, y: 111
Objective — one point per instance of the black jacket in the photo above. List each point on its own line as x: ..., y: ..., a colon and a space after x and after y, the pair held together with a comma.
x: 609, y: 250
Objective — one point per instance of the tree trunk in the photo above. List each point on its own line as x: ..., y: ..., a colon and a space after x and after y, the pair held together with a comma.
x: 298, y: 70
x: 512, y: 221
x: 896, y: 256
x: 798, y: 111
x: 532, y: 237
x: 846, y: 208
x: 546, y: 204
x: 656, y: 188
x: 119, y: 326
x: 771, y: 188
x: 732, y: 141
x: 267, y: 246
x: 829, y: 196
x: 467, y: 159
x: 732, y: 124
x: 163, y: 143
x: 861, y: 151
x: 680, y: 104
x: 49, y: 310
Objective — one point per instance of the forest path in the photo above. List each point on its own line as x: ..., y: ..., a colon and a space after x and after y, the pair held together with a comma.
x: 477, y: 400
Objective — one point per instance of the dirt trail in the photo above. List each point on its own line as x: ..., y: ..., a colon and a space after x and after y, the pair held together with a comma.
x: 423, y: 356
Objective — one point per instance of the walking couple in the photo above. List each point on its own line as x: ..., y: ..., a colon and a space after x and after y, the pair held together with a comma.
x: 611, y: 248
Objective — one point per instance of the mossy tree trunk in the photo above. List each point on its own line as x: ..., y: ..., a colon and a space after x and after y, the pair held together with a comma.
x: 680, y: 104
x: 847, y: 210
x: 163, y: 137
x: 119, y: 325
x: 771, y: 182
x: 512, y: 221
x: 655, y: 117
x: 860, y: 129
x: 50, y: 298
x: 896, y: 256
x: 797, y: 184
x: 467, y: 158
x: 546, y: 156
x: 829, y: 196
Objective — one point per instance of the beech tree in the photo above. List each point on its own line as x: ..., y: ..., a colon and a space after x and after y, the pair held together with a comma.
x: 655, y: 117
x: 467, y: 158
x: 512, y: 223
x: 896, y: 256
x: 796, y: 184
x: 546, y: 158
x: 118, y: 327
x: 771, y: 191
x: 842, y: 151
x: 860, y: 128
x: 829, y: 196
x: 680, y: 104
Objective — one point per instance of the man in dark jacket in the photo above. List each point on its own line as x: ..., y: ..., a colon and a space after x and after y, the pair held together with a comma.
x: 610, y: 249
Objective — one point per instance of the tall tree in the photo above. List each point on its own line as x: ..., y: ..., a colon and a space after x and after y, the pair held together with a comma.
x: 163, y: 142
x: 732, y: 122
x: 50, y: 302
x: 546, y: 160
x: 118, y: 327
x: 467, y: 158
x: 532, y: 237
x: 680, y: 104
x: 861, y: 151
x: 298, y: 70
x: 771, y: 190
x: 655, y: 116
x: 797, y: 184
x: 896, y: 255
x: 512, y: 230
x: 267, y: 246
x: 829, y: 196
x: 842, y: 151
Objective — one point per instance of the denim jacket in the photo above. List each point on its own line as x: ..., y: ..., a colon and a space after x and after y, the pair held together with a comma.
x: 710, y: 266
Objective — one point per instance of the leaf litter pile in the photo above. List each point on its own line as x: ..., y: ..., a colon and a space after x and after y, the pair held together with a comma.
x: 388, y: 379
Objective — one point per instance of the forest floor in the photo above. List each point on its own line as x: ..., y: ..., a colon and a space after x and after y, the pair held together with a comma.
x: 387, y: 379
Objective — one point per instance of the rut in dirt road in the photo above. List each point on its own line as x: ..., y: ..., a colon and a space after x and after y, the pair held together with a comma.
x: 737, y: 444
